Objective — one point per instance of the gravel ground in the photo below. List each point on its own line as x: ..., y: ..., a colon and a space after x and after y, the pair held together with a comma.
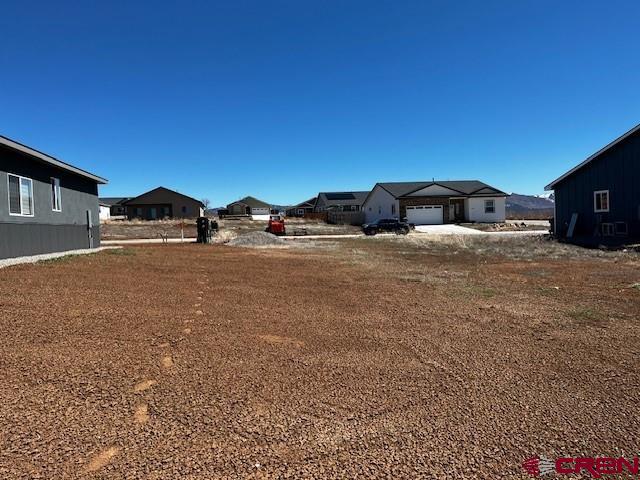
x: 377, y: 359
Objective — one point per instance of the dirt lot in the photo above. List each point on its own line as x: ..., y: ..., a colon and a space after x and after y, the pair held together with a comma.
x: 132, y: 229
x: 369, y: 358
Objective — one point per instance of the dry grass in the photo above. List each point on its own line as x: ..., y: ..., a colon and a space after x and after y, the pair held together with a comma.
x: 513, y: 247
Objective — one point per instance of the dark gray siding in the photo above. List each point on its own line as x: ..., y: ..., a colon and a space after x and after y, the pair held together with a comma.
x: 46, y: 231
x: 21, y: 239
x: 616, y: 170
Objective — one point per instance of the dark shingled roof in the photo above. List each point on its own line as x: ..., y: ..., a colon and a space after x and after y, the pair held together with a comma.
x: 343, y: 198
x: 113, y: 200
x: 464, y: 187
x: 43, y: 157
x: 251, y: 202
x: 140, y: 200
x: 307, y: 203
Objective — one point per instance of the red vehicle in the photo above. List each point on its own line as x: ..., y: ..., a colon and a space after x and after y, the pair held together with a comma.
x: 276, y: 225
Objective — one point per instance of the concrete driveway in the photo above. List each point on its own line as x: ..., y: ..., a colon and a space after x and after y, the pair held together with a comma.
x: 451, y: 229
x: 448, y: 229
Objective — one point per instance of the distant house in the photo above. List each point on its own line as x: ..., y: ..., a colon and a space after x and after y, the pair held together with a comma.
x: 105, y: 211
x: 116, y: 205
x: 339, y: 201
x: 46, y: 205
x: 435, y: 202
x: 163, y: 203
x: 601, y: 195
x: 250, y: 206
x: 301, y: 209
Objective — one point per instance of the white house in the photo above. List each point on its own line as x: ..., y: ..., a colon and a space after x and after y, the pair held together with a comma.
x: 105, y: 211
x: 435, y: 202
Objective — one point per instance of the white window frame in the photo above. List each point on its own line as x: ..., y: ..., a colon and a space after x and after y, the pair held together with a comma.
x: 301, y: 211
x: 20, y: 179
x: 595, y: 196
x: 493, y: 205
x: 56, y: 194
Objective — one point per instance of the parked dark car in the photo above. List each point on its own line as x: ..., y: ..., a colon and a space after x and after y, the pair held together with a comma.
x: 386, y: 225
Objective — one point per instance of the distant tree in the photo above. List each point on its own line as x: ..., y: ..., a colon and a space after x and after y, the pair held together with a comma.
x: 206, y: 202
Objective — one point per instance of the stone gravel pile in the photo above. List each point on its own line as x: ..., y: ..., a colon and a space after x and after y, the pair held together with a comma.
x: 256, y: 239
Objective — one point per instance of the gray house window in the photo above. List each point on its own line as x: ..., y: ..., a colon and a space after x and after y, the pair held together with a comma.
x: 20, y: 195
x: 56, y: 201
x: 489, y: 206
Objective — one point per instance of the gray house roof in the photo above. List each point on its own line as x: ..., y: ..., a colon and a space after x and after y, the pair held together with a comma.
x: 307, y: 203
x: 593, y: 157
x: 463, y: 187
x: 251, y: 202
x: 48, y: 159
x: 114, y: 200
x: 342, y: 198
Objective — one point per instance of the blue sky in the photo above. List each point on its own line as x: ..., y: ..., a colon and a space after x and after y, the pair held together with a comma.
x: 282, y: 99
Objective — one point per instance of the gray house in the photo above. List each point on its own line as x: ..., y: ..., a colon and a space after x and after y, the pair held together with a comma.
x: 46, y: 205
x: 598, y: 201
x: 340, y: 201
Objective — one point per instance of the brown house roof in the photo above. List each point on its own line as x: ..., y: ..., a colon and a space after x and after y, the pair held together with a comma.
x: 144, y: 200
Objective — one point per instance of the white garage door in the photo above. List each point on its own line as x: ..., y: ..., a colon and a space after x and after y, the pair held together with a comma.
x: 425, y: 215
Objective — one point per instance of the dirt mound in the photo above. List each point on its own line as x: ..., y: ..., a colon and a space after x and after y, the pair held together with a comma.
x: 256, y: 239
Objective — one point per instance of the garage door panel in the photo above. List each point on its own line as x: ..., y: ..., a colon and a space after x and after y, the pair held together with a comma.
x: 425, y: 214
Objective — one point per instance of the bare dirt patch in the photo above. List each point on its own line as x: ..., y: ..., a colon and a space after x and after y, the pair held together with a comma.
x: 102, y: 459
x: 167, y: 362
x: 144, y: 385
x: 141, y: 415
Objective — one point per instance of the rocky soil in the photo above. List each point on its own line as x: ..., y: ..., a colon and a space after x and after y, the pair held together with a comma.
x: 374, y: 359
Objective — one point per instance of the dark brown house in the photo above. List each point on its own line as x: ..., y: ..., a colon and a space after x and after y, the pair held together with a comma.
x: 301, y: 209
x: 163, y: 203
